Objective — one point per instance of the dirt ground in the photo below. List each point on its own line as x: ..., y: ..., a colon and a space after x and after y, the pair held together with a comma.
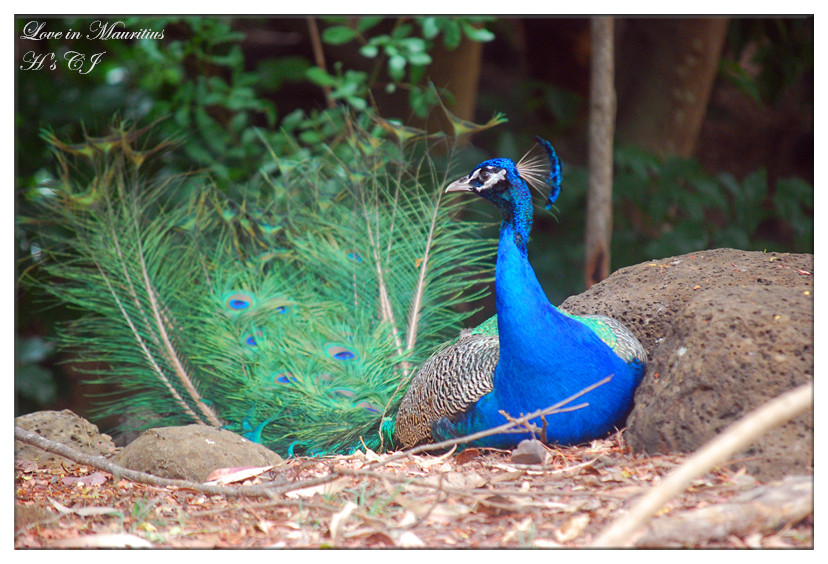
x: 472, y: 499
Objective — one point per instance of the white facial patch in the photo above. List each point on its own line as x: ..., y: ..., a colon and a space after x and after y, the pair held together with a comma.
x: 488, y: 178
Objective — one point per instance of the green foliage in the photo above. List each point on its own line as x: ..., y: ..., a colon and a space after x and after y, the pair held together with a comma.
x: 197, y: 75
x: 663, y: 207
x: 672, y: 206
x: 220, y: 110
x: 782, y: 49
x: 402, y: 53
x: 666, y: 207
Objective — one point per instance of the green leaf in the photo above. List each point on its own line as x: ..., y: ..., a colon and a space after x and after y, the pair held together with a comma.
x: 367, y: 22
x: 357, y: 102
x: 731, y: 184
x: 274, y: 73
x: 711, y: 194
x: 416, y: 73
x: 429, y: 26
x: 451, y: 33
x: 756, y: 186
x: 369, y: 51
x: 391, y: 50
x: 733, y: 236
x: 338, y: 34
x: 419, y: 59
x: 734, y: 72
x: 401, y: 31
x: 413, y: 44
x: 794, y: 202
x: 421, y: 101
x: 396, y: 67
x: 320, y: 77
x: 480, y: 34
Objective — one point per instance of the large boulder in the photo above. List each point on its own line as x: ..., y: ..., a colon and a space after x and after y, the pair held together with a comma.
x: 726, y: 331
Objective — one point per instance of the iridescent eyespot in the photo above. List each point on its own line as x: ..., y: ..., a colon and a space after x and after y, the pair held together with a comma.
x: 238, y: 302
x: 368, y: 406
x: 284, y: 378
x: 341, y: 352
x: 252, y: 339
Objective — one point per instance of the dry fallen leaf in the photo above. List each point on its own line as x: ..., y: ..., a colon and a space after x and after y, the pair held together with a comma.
x: 521, y: 528
x: 94, y: 479
x: 328, y: 488
x: 221, y: 476
x: 410, y: 540
x: 486, y: 502
x: 83, y: 511
x: 547, y: 543
x: 121, y: 540
x: 572, y: 529
x: 338, y: 520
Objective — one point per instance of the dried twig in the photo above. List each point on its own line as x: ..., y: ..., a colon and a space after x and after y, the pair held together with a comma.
x: 319, y: 57
x: 738, y: 436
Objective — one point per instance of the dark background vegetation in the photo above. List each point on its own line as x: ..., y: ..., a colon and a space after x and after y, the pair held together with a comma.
x: 714, y: 139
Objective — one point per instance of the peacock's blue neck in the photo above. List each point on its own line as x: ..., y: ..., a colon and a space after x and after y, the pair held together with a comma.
x: 526, y: 319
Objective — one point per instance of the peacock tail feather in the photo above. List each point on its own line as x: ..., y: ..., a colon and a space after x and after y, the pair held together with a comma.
x: 295, y: 314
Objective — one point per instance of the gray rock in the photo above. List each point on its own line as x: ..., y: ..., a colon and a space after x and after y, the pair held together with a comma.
x: 530, y: 451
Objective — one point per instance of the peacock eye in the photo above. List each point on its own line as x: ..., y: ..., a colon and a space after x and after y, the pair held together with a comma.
x: 484, y: 175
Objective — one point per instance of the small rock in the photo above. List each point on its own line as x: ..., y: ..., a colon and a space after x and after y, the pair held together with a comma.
x: 529, y: 451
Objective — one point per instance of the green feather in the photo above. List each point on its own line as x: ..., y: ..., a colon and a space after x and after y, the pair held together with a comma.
x: 296, y: 316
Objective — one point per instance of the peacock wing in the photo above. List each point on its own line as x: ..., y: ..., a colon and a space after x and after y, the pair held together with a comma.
x: 448, y: 384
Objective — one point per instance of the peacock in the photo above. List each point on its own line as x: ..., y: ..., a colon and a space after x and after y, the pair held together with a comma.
x: 310, y: 315
x: 530, y: 355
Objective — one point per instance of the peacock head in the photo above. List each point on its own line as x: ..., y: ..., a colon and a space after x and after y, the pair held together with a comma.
x: 507, y: 184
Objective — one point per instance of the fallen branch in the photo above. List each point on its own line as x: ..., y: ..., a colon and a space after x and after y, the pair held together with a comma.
x: 102, y: 463
x: 625, y: 530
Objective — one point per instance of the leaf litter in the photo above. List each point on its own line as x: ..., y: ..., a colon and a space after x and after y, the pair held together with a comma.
x: 476, y: 498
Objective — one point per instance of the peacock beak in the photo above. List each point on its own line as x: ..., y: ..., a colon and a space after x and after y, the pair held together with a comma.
x: 461, y: 185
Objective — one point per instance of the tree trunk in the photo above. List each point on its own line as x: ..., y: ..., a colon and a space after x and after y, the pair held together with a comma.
x: 672, y: 64
x: 601, y: 131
